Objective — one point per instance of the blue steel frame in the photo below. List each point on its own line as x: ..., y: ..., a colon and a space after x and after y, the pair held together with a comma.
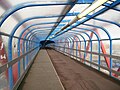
x: 67, y: 42
x: 18, y: 45
x: 15, y: 29
x: 10, y: 47
x: 73, y: 38
x: 23, y: 43
x: 62, y: 18
x: 25, y: 5
x: 80, y: 44
x: 21, y: 6
x: 84, y: 43
x: 76, y: 45
x: 27, y: 44
x: 69, y: 39
x: 98, y: 39
x: 11, y: 11
x: 109, y: 37
x: 94, y: 15
x: 10, y: 70
x: 90, y: 42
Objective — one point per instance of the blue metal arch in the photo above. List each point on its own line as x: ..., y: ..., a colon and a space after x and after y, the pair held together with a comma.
x: 23, y: 31
x: 111, y: 22
x: 74, y: 38
x: 94, y: 15
x: 110, y: 39
x: 10, y: 68
x: 84, y: 41
x: 90, y: 42
x: 25, y: 5
x: 98, y: 19
x: 78, y: 37
x: 77, y: 46
x: 23, y: 51
x: 67, y: 39
x: 98, y: 39
x: 29, y: 37
x: 15, y: 29
x: 72, y: 41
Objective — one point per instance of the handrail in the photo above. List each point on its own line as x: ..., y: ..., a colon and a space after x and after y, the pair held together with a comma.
x: 8, y: 64
x: 108, y: 69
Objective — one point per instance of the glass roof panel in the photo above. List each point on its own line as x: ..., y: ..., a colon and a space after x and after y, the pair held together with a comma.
x: 15, y: 2
x: 29, y: 12
x: 41, y: 20
x: 57, y: 12
x: 78, y: 8
x: 40, y: 11
x: 111, y: 15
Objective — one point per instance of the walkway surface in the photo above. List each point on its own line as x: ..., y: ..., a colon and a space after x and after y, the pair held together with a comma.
x: 76, y: 76
x: 73, y: 75
x: 42, y: 75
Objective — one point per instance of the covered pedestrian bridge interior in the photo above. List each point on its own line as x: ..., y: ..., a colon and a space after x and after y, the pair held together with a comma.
x: 74, y: 42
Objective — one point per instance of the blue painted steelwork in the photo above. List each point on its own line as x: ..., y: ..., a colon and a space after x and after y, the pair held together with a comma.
x: 72, y: 51
x: 10, y: 58
x: 10, y: 46
x: 33, y: 45
x: 23, y: 49
x: 80, y: 43
x: 110, y: 39
x: 18, y: 49
x: 77, y: 45
x: 111, y: 22
x: 18, y: 45
x: 17, y: 26
x: 28, y: 19
x: 84, y: 43
x: 66, y: 45
x: 108, y: 36
x: 11, y: 11
x: 90, y: 42
x: 99, y: 19
x: 71, y: 42
x: 116, y: 9
x: 69, y: 45
x: 98, y: 39
x: 38, y: 24
x: 25, y: 5
x: 29, y: 44
x: 85, y: 1
x: 92, y: 16
x: 72, y: 4
x: 10, y: 75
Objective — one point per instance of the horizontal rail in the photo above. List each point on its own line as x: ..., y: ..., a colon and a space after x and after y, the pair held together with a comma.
x: 8, y: 64
x: 23, y: 75
x: 5, y: 34
x: 101, y: 54
x: 108, y: 69
x: 92, y: 40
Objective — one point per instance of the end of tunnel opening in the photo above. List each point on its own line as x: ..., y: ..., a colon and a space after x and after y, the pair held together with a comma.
x: 45, y: 43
